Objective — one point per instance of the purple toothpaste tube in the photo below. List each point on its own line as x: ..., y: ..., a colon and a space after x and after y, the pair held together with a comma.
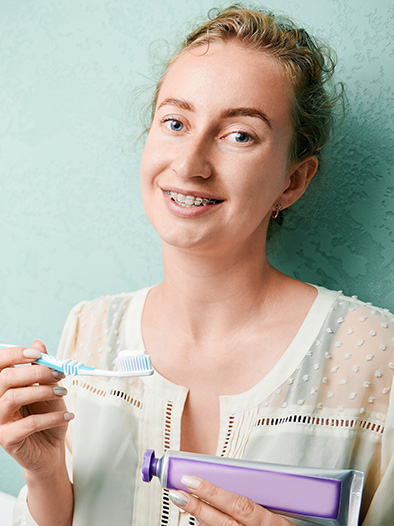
x: 318, y: 496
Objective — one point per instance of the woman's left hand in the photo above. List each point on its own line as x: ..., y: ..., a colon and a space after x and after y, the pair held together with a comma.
x: 214, y: 506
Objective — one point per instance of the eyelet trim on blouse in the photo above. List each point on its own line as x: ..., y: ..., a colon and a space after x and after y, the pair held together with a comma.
x: 349, y: 423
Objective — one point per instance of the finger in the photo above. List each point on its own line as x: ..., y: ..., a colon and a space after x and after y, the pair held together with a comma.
x: 221, y: 504
x: 40, y: 346
x: 202, y: 511
x: 14, y: 399
x: 13, y: 433
x: 12, y: 377
x: 10, y: 356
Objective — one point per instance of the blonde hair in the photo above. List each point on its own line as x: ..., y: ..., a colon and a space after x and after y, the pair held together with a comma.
x: 309, y: 65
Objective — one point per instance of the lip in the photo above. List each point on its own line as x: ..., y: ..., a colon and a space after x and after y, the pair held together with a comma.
x: 194, y: 193
x: 188, y: 212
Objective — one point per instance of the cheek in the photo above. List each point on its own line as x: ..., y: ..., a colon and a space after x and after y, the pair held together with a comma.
x: 150, y: 162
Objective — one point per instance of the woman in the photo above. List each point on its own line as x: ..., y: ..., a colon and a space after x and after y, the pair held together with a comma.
x: 250, y: 363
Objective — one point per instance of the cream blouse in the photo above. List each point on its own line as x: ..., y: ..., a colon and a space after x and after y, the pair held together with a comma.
x: 328, y: 402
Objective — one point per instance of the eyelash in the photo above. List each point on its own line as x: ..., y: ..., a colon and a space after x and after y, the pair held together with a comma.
x: 252, y: 137
x: 171, y: 119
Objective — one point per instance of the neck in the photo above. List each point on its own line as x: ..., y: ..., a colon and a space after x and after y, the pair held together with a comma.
x: 212, y: 293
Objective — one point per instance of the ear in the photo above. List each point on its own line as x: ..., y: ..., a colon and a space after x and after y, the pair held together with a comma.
x: 299, y: 178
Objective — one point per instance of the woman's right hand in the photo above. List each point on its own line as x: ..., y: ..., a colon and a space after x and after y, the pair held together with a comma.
x: 33, y: 415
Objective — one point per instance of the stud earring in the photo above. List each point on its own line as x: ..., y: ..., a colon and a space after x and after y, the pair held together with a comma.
x: 275, y: 212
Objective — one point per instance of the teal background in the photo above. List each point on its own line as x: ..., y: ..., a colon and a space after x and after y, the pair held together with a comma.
x: 72, y: 226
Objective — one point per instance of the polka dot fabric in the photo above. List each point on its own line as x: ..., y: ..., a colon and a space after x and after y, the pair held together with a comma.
x: 327, y: 403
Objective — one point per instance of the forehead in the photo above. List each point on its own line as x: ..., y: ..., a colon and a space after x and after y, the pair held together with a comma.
x: 229, y: 74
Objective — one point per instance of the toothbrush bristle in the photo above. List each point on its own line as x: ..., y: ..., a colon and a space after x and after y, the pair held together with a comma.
x: 133, y: 362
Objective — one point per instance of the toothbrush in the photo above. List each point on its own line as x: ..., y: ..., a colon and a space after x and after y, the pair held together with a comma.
x: 128, y: 363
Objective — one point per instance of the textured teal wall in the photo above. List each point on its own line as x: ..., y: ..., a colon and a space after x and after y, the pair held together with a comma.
x: 71, y: 223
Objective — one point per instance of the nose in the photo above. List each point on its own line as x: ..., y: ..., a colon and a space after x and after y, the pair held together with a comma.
x: 193, y: 159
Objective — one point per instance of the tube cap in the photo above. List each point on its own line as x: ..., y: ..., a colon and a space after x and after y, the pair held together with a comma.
x: 149, y: 465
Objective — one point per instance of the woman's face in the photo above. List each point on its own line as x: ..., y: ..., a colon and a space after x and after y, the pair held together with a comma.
x: 216, y: 158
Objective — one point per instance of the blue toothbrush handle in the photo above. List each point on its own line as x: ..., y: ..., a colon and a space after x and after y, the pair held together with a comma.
x: 52, y: 362
x: 64, y: 366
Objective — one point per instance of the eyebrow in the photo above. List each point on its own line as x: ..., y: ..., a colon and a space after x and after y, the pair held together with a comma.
x: 225, y: 114
x: 246, y: 112
x: 179, y: 103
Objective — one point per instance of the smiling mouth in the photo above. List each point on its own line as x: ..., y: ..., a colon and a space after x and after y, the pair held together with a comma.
x: 189, y: 201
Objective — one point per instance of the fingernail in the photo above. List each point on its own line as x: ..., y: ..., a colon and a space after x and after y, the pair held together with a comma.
x: 32, y: 353
x: 69, y: 416
x: 58, y: 375
x: 59, y: 390
x: 178, y: 498
x: 191, y: 482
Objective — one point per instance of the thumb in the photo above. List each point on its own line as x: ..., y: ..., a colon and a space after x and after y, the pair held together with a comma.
x: 39, y: 345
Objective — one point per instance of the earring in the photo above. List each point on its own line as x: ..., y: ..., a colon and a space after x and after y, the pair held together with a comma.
x: 275, y: 212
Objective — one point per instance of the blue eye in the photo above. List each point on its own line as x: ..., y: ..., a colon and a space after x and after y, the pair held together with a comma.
x: 174, y: 125
x: 241, y: 137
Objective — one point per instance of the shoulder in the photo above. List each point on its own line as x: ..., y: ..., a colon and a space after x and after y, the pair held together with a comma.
x: 106, y: 305
x: 89, y: 322
x: 351, y: 308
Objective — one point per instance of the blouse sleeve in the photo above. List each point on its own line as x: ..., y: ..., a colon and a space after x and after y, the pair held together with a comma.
x: 381, y: 509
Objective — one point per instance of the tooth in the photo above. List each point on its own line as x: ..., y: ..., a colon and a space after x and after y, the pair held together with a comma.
x: 181, y: 198
x: 189, y: 200
x: 198, y: 201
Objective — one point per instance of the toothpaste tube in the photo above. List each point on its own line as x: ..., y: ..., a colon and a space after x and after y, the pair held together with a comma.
x: 319, y: 496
